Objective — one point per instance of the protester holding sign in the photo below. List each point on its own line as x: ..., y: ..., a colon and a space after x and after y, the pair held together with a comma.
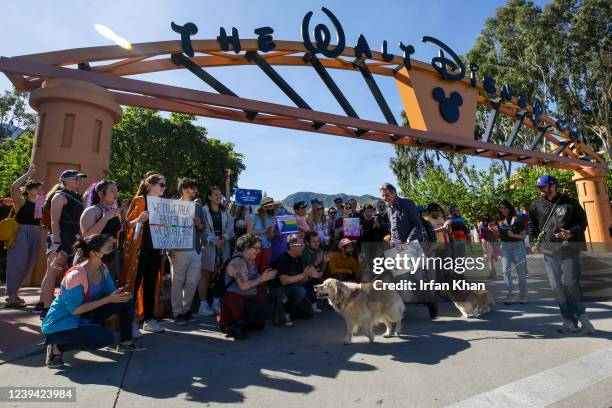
x: 141, y: 261
x: 318, y: 223
x: 218, y: 232
x: 186, y: 263
x: 22, y: 255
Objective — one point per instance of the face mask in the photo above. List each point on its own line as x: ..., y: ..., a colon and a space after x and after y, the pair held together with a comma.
x: 108, y: 257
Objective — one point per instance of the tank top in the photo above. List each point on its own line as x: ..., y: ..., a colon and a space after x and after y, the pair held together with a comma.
x: 252, y: 275
x: 112, y: 226
x: 25, y: 215
x: 71, y: 212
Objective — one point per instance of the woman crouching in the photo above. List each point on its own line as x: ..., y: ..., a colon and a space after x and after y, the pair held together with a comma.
x: 244, y: 304
x: 88, y: 298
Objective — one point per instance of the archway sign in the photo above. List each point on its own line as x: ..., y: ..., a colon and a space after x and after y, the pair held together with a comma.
x: 78, y: 93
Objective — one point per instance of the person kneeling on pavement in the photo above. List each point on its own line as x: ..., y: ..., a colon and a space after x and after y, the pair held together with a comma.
x: 244, y: 304
x: 87, y: 299
x: 296, y: 282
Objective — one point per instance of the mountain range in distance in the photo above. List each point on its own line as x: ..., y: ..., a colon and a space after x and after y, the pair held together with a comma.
x: 327, y: 199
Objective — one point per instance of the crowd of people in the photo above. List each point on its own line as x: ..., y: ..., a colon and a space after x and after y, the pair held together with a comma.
x: 241, y: 267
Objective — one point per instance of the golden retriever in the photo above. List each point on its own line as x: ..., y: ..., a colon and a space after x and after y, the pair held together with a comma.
x: 363, y: 307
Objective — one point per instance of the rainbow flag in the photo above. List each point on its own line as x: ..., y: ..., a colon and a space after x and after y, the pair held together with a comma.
x: 287, y: 224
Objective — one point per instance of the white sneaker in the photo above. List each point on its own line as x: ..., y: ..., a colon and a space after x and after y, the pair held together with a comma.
x: 216, y: 305
x: 585, y: 323
x: 152, y: 326
x: 136, y: 333
x: 288, y: 321
x: 568, y: 327
x: 315, y: 308
x: 205, y: 310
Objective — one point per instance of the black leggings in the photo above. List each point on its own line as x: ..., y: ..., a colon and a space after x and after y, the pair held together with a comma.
x: 148, y: 267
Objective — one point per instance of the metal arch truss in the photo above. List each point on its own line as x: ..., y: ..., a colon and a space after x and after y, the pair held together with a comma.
x: 111, y: 66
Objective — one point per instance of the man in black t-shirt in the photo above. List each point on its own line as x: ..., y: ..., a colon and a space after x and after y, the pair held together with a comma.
x: 297, y: 280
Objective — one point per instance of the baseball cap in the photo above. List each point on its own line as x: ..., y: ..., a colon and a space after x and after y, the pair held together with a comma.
x: 344, y: 242
x: 546, y: 180
x: 67, y: 174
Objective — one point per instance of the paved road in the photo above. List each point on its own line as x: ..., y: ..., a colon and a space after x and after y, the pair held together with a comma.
x: 513, y: 357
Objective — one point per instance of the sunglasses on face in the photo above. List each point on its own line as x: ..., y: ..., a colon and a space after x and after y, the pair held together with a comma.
x: 162, y: 185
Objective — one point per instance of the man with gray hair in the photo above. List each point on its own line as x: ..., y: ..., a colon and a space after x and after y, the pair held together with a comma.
x: 296, y: 280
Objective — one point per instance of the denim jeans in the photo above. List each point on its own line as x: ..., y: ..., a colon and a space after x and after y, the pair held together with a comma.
x: 517, y: 253
x: 564, y: 277
x: 93, y: 336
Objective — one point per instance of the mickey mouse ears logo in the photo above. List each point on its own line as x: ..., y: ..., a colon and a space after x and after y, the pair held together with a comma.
x: 449, y: 107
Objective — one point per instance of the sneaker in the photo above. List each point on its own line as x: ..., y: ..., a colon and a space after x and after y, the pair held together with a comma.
x: 509, y: 299
x: 53, y: 360
x: 568, y: 327
x: 523, y: 298
x: 585, y: 324
x: 43, y: 313
x: 180, y: 320
x: 216, y: 305
x: 38, y: 308
x: 126, y: 348
x: 152, y: 326
x: 315, y: 308
x: 136, y: 333
x: 205, y: 310
x: 190, y: 317
x: 288, y: 321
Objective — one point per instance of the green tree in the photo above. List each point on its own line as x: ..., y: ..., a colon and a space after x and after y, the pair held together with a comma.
x: 480, y: 192
x: 520, y: 192
x: 411, y: 163
x: 15, y: 155
x: 560, y: 54
x: 174, y: 146
x: 14, y: 112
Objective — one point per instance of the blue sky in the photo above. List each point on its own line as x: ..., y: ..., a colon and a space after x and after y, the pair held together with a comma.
x: 279, y: 161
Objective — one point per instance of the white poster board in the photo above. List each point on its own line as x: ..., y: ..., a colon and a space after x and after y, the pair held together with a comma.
x: 171, y: 223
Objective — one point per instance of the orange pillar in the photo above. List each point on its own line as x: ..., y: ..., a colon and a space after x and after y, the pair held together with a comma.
x: 75, y: 123
x: 593, y: 196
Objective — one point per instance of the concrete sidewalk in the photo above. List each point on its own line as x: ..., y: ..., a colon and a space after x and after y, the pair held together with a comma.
x: 435, y: 363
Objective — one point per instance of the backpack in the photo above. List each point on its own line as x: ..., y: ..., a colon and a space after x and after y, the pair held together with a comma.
x: 46, y: 211
x: 220, y: 287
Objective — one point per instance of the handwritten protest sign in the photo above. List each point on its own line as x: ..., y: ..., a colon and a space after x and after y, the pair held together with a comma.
x: 247, y: 197
x: 350, y: 226
x: 171, y: 223
x: 287, y: 224
x: 413, y: 256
